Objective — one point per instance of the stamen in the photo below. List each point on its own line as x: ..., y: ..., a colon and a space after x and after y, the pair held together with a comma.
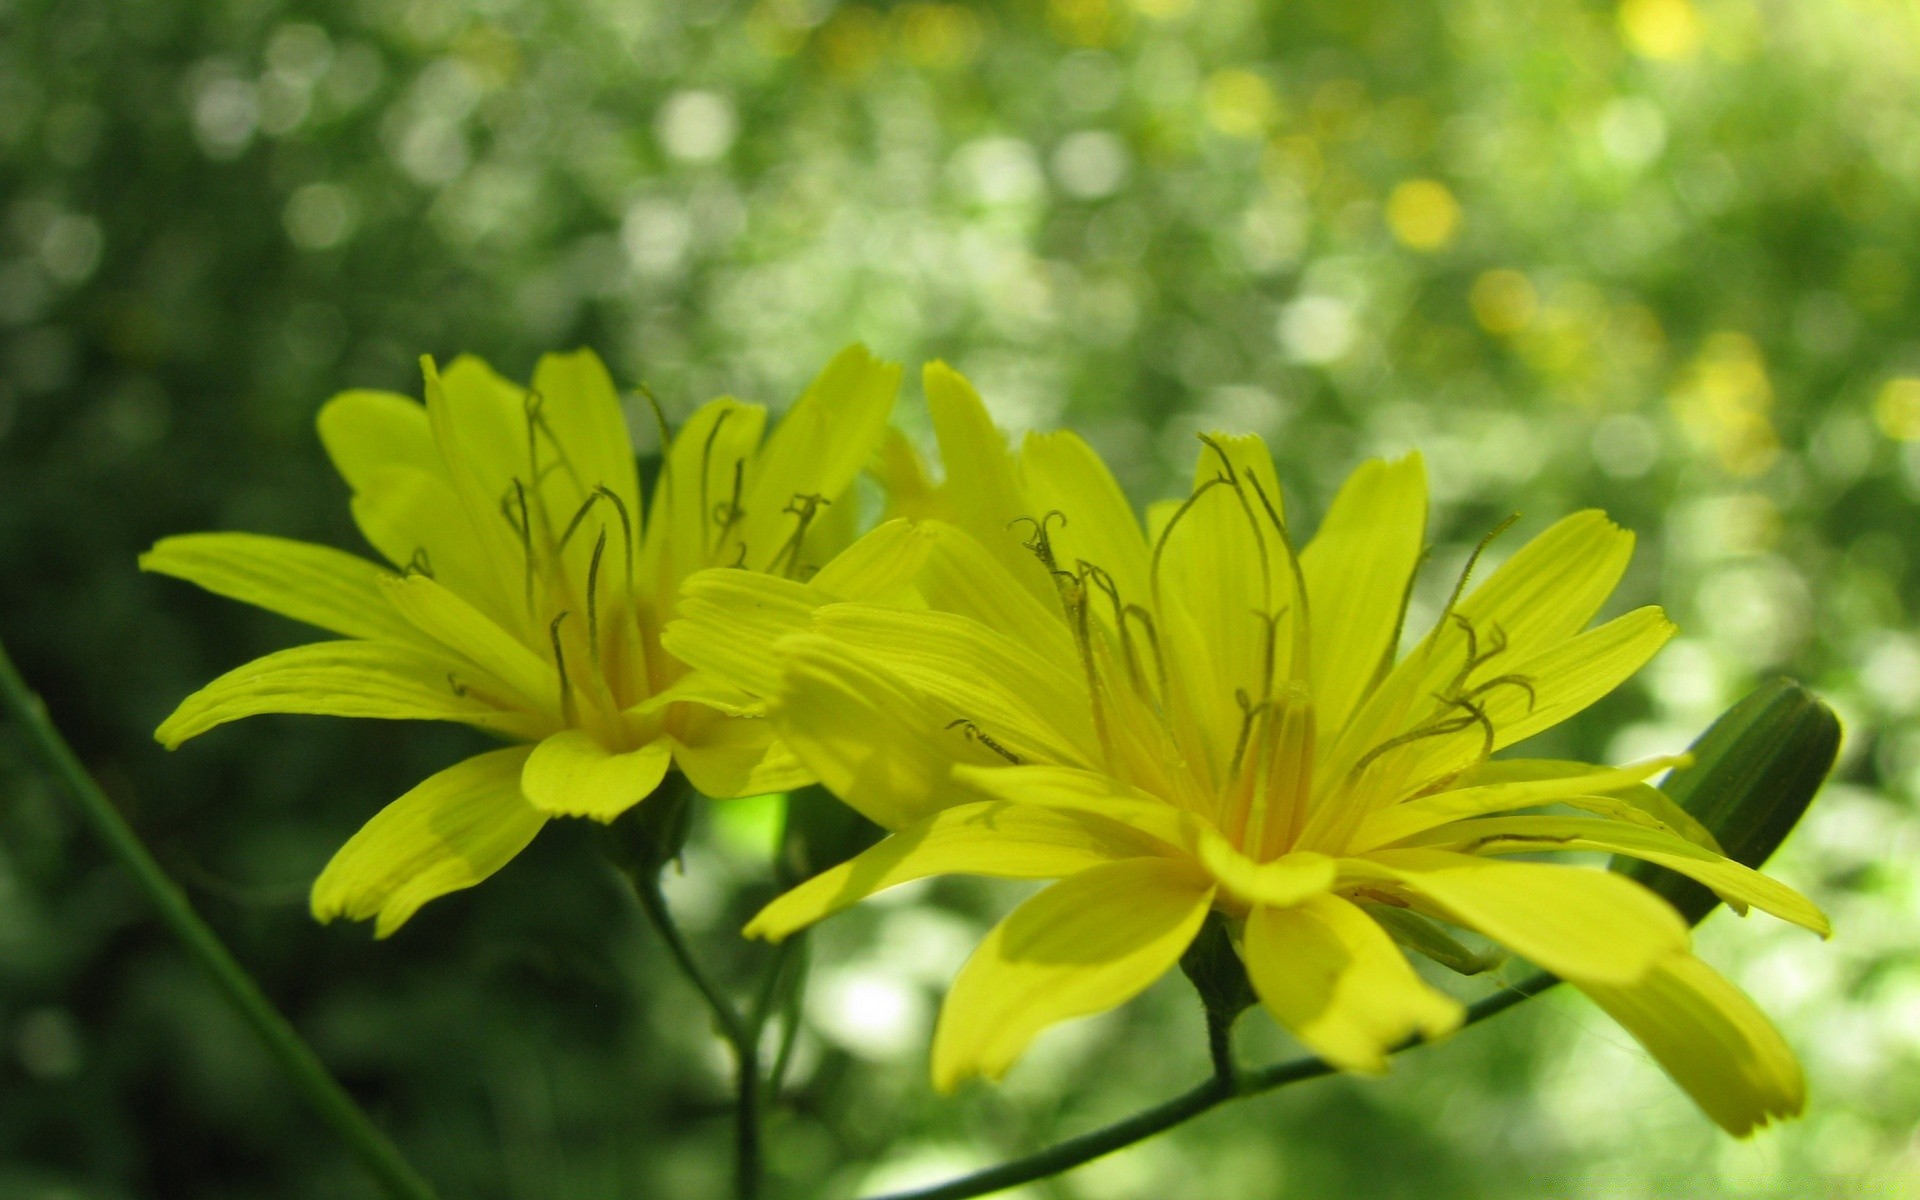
x: 626, y: 528
x: 1041, y: 543
x: 593, y: 593
x: 1160, y: 545
x: 1153, y: 639
x: 459, y: 689
x: 802, y: 507
x: 659, y: 421
x: 524, y: 527
x: 1233, y: 481
x: 579, y: 515
x: 1473, y: 559
x: 1073, y: 595
x: 706, y: 466
x: 1105, y: 583
x: 974, y: 733
x: 537, y: 418
x: 1250, y: 710
x: 730, y: 515
x: 420, y: 564
x: 560, y: 663
x: 1303, y: 624
x: 1514, y: 681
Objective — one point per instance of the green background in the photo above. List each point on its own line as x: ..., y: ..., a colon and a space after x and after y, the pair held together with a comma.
x: 1659, y: 258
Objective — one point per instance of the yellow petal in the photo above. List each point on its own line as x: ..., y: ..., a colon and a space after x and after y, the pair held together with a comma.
x: 1093, y: 793
x: 1543, y: 595
x: 729, y: 621
x: 582, y: 411
x: 726, y: 757
x: 437, y: 612
x: 880, y: 567
x: 821, y: 443
x: 1060, y: 472
x: 1487, y: 790
x: 960, y: 575
x: 319, y: 585
x: 1335, y: 980
x: 883, y: 748
x: 450, y: 832
x: 480, y: 424
x: 353, y: 679
x: 1359, y: 568
x: 571, y: 774
x: 1036, y: 711
x: 990, y: 838
x: 1579, y: 923
x: 1277, y: 883
x: 1711, y: 1040
x: 1083, y: 946
x: 366, y: 432
x: 982, y: 492
x: 1733, y: 882
x: 911, y: 493
x: 1653, y: 804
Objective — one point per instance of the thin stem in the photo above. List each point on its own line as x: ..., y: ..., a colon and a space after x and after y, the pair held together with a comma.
x: 1219, y: 1089
x: 741, y: 1036
x: 1220, y: 1046
x: 376, y: 1154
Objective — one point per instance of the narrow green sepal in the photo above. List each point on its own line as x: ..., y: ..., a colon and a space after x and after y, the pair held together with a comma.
x: 1754, y: 772
x: 1417, y: 933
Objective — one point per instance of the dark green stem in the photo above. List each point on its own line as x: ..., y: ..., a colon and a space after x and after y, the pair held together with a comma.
x: 742, y: 1036
x: 1217, y: 1090
x: 376, y: 1154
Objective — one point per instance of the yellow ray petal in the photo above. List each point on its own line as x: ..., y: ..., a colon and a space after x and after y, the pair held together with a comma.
x: 367, y: 431
x: 582, y: 411
x: 1333, y: 978
x: 1083, y: 946
x: 1579, y: 923
x: 354, y: 679
x: 438, y: 613
x: 1090, y: 792
x: 880, y: 567
x: 1491, y: 791
x: 479, y: 422
x: 821, y: 443
x: 1359, y: 567
x: 990, y: 838
x: 453, y: 830
x: 982, y: 491
x: 1035, y: 710
x: 1540, y: 597
x: 1060, y: 472
x: 1654, y: 805
x: 729, y: 621
x: 1711, y: 1040
x: 960, y: 575
x: 571, y: 774
x: 724, y: 757
x: 884, y: 749
x: 319, y: 585
x: 1737, y: 884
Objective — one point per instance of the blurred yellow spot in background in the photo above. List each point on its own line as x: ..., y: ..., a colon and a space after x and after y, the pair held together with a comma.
x: 1897, y: 408
x: 850, y: 44
x: 1423, y: 214
x: 940, y: 37
x: 1668, y: 30
x: 1725, y: 401
x: 1503, y: 301
x: 1086, y: 22
x: 1240, y: 103
x: 1163, y: 10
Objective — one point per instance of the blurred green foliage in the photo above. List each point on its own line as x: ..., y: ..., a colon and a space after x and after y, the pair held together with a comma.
x: 1658, y: 256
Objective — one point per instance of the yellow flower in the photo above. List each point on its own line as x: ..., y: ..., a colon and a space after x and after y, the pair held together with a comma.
x: 1207, y: 715
x: 528, y: 601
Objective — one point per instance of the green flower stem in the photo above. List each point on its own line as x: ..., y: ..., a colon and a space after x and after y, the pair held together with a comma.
x: 1224, y: 1085
x: 376, y: 1154
x: 742, y: 1034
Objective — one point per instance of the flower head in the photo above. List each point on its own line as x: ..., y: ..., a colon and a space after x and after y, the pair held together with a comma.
x: 526, y: 594
x: 1208, y: 713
